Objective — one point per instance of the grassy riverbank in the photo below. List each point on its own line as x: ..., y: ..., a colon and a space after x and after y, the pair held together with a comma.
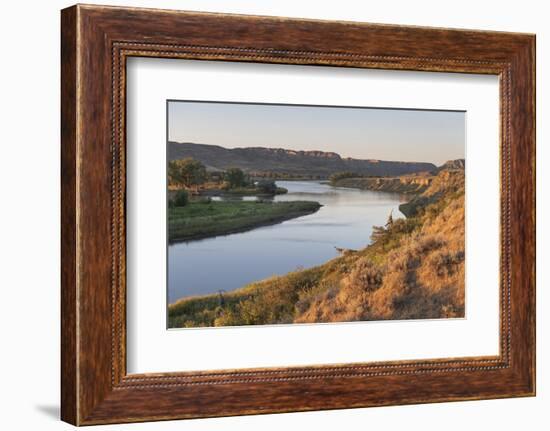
x: 414, y: 269
x: 211, y: 218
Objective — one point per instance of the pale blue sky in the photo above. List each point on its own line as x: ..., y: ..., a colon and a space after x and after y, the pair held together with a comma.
x: 364, y: 133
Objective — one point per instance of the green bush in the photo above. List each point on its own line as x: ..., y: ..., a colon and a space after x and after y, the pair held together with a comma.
x: 181, y: 198
x: 267, y: 187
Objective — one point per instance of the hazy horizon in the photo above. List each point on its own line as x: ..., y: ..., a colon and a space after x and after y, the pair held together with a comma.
x: 359, y: 133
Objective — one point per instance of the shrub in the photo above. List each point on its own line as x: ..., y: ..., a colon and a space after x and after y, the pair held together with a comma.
x: 366, y: 275
x: 267, y: 187
x: 446, y: 263
x: 180, y: 199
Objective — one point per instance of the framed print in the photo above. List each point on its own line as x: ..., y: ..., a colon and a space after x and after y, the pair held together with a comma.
x: 268, y: 215
x: 279, y: 209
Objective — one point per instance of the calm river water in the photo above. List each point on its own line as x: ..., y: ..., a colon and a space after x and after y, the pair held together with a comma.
x: 232, y: 261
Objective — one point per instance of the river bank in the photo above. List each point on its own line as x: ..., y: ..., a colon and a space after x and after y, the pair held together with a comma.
x: 199, y: 220
x: 242, y: 191
x: 403, y: 185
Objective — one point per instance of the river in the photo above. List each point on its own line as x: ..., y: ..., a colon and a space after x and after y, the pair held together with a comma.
x: 232, y: 261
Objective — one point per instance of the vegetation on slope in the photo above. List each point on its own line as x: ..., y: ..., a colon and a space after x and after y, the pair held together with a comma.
x: 414, y: 269
x: 404, y: 184
x: 445, y: 183
x: 414, y: 183
x: 206, y: 218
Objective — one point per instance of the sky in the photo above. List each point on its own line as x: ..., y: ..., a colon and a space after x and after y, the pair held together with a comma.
x: 362, y: 133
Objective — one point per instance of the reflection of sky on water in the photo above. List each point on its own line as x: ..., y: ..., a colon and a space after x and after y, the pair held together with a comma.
x: 231, y: 261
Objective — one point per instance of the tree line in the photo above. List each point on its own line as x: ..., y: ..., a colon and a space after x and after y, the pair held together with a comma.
x: 191, y: 174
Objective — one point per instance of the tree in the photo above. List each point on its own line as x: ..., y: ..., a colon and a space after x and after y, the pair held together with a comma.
x: 379, y: 232
x: 389, y: 223
x: 235, y: 177
x: 187, y: 172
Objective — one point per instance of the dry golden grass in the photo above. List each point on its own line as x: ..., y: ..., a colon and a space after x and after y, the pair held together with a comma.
x: 422, y: 277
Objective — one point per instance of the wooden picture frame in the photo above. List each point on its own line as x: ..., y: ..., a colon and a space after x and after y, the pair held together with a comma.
x: 95, y: 43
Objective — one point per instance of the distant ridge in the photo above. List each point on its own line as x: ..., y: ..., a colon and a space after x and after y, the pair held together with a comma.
x: 292, y: 162
x: 453, y: 164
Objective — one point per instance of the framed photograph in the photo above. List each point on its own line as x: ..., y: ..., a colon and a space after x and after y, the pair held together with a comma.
x: 293, y: 232
x: 266, y: 215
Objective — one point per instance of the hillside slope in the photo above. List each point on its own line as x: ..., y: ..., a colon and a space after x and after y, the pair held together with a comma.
x: 414, y: 269
x: 459, y: 164
x: 445, y: 182
x: 403, y: 184
x: 415, y: 183
x: 281, y: 161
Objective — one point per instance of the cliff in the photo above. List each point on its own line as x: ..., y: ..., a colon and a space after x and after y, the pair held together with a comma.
x: 403, y: 184
x: 447, y: 182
